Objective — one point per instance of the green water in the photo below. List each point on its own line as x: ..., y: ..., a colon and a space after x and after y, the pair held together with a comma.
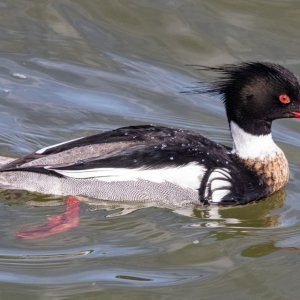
x: 73, y: 68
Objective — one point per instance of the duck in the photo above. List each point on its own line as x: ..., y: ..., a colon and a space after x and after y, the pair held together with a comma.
x: 177, y: 167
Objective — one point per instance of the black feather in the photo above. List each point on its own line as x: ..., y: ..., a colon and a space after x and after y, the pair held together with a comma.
x: 236, y: 75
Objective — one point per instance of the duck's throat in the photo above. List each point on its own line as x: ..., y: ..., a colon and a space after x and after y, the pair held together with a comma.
x: 261, y: 155
x: 251, y: 146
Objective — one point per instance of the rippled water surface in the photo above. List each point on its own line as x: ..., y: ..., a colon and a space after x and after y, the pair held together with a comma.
x: 73, y: 68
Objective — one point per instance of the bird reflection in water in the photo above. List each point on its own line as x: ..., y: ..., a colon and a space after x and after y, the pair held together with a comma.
x: 241, y: 218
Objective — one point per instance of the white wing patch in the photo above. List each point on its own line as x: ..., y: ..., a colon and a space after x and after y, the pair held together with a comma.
x: 188, y: 176
x: 219, y: 185
x: 41, y: 151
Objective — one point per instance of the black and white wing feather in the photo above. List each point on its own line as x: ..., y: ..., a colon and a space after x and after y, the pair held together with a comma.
x: 151, y: 153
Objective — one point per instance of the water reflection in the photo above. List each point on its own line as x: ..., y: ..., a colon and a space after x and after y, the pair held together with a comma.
x: 260, y: 250
x: 254, y: 215
x: 73, y: 68
x: 263, y: 213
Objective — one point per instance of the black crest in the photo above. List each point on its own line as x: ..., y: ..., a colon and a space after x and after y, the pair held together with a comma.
x: 233, y: 76
x: 250, y: 92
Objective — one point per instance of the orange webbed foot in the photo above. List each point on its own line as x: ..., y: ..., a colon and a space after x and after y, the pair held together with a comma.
x: 56, y: 224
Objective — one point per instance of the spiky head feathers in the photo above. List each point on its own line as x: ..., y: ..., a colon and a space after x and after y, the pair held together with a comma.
x: 256, y: 93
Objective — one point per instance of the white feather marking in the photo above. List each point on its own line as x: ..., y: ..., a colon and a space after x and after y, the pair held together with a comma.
x: 219, y: 184
x: 250, y: 146
x: 188, y: 176
x: 41, y: 151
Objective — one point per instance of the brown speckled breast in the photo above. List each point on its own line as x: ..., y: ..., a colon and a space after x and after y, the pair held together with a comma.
x: 273, y: 170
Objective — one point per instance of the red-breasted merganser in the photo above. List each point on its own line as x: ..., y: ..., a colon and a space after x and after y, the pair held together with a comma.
x: 173, y: 166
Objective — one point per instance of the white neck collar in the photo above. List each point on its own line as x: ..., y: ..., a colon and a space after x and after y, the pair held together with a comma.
x: 250, y: 146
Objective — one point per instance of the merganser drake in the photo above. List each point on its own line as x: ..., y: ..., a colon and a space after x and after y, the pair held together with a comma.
x: 173, y: 166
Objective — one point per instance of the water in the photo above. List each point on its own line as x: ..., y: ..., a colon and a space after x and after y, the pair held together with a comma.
x: 73, y: 68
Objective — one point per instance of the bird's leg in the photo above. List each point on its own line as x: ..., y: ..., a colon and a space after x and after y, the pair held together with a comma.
x: 56, y: 224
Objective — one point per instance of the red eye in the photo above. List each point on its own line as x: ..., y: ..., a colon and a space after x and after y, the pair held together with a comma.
x: 284, y: 98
